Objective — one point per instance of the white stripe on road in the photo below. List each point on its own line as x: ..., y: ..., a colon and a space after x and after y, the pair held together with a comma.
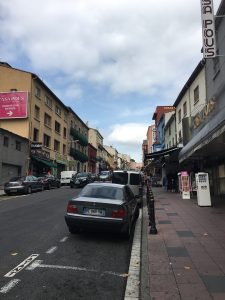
x: 133, y: 281
x: 34, y: 265
x: 37, y: 264
x: 9, y: 286
x: 64, y: 239
x: 21, y: 266
x: 52, y: 250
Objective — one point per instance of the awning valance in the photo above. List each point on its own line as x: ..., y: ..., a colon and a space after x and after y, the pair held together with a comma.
x: 161, y: 153
x: 45, y: 162
x: 213, y: 129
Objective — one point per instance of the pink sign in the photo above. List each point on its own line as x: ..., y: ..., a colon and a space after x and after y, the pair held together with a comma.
x: 13, y: 105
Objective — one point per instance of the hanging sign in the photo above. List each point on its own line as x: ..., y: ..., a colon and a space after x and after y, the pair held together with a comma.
x: 208, y: 29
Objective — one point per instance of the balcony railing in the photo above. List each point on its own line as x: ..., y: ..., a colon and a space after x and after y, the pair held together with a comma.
x: 77, y: 155
x: 78, y: 136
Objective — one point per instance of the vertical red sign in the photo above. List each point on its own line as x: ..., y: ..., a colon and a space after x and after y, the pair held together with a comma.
x: 13, y: 105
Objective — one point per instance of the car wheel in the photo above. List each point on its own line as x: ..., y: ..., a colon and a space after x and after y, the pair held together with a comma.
x: 73, y: 230
x: 48, y: 186
x: 58, y: 185
x: 42, y: 188
x: 29, y: 190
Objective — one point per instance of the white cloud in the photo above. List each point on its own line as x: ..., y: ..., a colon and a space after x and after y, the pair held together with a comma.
x: 131, y: 46
x: 129, y: 133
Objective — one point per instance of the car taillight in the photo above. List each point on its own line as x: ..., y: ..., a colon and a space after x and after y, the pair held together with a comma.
x: 71, y: 208
x: 118, y: 213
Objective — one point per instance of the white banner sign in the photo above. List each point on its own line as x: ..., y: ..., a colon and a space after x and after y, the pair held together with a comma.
x: 208, y: 29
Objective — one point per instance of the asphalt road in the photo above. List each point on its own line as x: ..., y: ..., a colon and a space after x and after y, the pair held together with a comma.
x: 40, y: 259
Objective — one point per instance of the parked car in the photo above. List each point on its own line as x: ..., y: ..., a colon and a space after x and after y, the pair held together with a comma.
x: 105, y: 176
x: 133, y: 179
x: 50, y: 181
x: 80, y: 179
x: 66, y: 176
x: 103, y: 206
x: 94, y: 177
x: 23, y: 184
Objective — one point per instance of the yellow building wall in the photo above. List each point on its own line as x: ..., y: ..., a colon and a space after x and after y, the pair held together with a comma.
x: 21, y: 81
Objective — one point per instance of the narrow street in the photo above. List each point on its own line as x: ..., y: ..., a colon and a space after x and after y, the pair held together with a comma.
x: 51, y: 263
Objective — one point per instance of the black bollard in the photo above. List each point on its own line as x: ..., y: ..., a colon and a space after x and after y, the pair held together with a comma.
x: 153, y: 229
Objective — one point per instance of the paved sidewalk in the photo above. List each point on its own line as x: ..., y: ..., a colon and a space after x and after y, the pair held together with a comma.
x: 186, y: 259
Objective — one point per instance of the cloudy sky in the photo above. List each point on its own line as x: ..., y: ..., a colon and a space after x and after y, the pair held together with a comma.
x: 112, y: 61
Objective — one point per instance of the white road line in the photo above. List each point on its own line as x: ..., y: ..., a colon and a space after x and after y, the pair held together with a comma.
x: 37, y: 264
x: 34, y: 265
x: 64, y: 239
x: 6, y: 288
x: 21, y: 266
x: 133, y: 280
x: 51, y: 250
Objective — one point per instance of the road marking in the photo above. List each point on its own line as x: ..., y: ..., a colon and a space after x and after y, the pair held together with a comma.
x: 9, y: 286
x: 51, y: 250
x: 133, y: 280
x: 21, y: 266
x: 34, y: 265
x: 38, y: 264
x: 64, y: 239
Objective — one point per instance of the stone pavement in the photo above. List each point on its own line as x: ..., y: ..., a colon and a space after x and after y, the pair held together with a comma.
x: 186, y: 258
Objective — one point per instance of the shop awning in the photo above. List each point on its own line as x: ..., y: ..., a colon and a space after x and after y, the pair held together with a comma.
x: 212, y: 130
x: 45, y: 162
x: 62, y: 162
x: 162, y: 153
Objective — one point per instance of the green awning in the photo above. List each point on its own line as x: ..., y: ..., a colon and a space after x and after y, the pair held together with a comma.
x: 45, y: 162
x: 62, y: 162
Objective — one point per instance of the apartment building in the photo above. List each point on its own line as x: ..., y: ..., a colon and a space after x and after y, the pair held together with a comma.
x: 31, y: 110
x: 77, y: 143
x: 96, y: 139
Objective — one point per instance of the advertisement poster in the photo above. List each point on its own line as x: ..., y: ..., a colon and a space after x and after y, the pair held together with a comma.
x: 13, y: 105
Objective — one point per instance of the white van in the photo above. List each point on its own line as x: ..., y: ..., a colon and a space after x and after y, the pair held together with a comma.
x: 132, y: 178
x: 66, y: 176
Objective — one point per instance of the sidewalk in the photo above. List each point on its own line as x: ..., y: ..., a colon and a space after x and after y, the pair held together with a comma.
x: 186, y: 259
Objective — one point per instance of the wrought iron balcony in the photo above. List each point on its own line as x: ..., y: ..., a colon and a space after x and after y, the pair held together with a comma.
x: 78, y: 155
x: 78, y: 136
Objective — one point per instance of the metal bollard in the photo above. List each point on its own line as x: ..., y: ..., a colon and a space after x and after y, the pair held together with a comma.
x: 153, y: 229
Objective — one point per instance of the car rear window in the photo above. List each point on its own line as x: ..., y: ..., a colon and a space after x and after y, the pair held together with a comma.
x: 120, y: 178
x: 134, y: 179
x: 103, y: 192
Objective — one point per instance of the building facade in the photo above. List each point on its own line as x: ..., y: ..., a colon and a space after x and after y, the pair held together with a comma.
x: 14, y: 155
x: 46, y: 124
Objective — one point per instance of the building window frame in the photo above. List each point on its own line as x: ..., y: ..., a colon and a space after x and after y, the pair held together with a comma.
x: 48, y: 102
x: 196, y: 94
x: 46, y: 140
x: 47, y: 120
x: 6, y: 141
x: 18, y: 145
x: 38, y: 92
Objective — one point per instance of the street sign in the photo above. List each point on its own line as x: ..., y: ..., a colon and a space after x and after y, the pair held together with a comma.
x: 208, y: 29
x: 13, y: 105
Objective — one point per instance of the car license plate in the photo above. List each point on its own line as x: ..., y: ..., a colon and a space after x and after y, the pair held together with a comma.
x: 15, y: 191
x: 94, y: 212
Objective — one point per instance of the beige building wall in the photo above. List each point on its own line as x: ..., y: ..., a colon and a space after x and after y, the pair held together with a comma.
x: 41, y: 103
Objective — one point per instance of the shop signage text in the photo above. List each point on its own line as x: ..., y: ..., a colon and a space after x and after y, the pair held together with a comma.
x: 208, y: 29
x: 39, y: 153
x: 13, y: 105
x: 200, y: 116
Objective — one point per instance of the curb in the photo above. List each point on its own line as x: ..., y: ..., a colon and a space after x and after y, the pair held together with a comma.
x: 133, y: 280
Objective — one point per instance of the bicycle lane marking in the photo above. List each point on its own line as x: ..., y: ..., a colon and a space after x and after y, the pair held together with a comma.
x: 21, y: 266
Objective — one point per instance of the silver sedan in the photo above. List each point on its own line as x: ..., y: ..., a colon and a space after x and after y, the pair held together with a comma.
x: 103, y: 206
